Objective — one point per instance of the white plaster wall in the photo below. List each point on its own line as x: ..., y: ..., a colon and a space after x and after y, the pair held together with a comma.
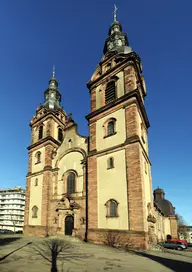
x: 71, y: 161
x: 36, y: 199
x: 39, y: 166
x: 120, y: 84
x: 112, y: 184
x: 118, y: 138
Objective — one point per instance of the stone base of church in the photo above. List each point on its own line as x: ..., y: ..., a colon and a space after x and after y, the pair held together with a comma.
x: 39, y: 231
x: 129, y: 239
x: 43, y: 231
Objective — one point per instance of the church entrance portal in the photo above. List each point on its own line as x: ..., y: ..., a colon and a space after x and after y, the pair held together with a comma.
x: 69, y: 224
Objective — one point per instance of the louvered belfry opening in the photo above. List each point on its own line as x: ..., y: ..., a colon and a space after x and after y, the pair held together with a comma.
x: 110, y: 92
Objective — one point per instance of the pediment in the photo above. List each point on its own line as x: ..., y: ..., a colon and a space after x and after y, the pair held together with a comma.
x: 67, y: 203
x: 72, y: 142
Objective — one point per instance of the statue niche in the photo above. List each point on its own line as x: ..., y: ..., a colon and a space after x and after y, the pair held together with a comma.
x: 67, y: 203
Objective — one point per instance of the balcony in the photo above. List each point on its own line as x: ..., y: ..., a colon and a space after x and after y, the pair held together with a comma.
x: 10, y: 223
x: 7, y: 218
x: 2, y: 202
x: 11, y: 212
x: 5, y: 207
x: 12, y: 197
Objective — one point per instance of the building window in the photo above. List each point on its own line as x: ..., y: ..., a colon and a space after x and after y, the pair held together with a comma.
x: 36, y: 182
x: 112, y: 208
x: 110, y: 92
x: 60, y: 134
x: 110, y: 163
x: 40, y: 132
x: 38, y: 157
x: 71, y: 183
x: 34, y: 211
x: 110, y: 128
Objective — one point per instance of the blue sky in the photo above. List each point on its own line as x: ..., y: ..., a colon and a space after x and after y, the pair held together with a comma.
x: 36, y: 34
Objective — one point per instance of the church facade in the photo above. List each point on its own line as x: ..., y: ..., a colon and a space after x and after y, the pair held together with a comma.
x: 86, y: 186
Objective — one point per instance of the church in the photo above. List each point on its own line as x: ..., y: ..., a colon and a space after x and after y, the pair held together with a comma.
x: 86, y: 186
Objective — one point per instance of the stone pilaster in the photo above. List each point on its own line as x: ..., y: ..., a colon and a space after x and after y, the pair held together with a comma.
x: 174, y: 226
x: 92, y: 193
x: 136, y: 201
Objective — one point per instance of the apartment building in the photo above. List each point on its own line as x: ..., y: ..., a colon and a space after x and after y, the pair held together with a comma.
x: 12, y: 205
x: 186, y: 233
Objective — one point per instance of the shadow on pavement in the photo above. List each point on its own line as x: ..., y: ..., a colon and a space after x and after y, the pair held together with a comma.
x: 175, y: 265
x: 10, y: 253
x: 7, y: 240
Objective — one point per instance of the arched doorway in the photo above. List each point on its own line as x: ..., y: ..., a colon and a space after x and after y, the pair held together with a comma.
x: 69, y: 224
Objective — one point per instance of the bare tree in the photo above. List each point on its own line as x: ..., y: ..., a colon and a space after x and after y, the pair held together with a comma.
x: 52, y: 249
x: 112, y: 239
x: 182, y: 226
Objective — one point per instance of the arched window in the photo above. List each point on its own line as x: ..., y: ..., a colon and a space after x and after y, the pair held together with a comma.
x: 40, y: 132
x: 110, y: 92
x: 34, y: 211
x: 71, y: 183
x: 36, y: 182
x: 60, y: 134
x: 110, y: 163
x: 111, y: 128
x: 112, y: 206
x: 38, y: 157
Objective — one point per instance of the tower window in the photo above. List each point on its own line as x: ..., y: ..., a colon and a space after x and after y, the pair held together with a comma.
x: 110, y: 92
x: 40, y: 132
x: 110, y: 163
x: 60, y: 134
x: 112, y: 208
x: 34, y: 211
x: 38, y: 157
x: 110, y: 128
x: 71, y: 183
x: 36, y: 182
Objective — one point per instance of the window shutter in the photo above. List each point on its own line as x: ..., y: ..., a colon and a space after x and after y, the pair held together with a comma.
x: 110, y: 93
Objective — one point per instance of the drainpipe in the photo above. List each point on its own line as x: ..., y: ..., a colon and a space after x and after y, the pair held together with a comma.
x: 86, y: 202
x: 86, y: 195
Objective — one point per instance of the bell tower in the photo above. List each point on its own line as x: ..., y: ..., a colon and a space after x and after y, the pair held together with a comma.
x: 47, y: 131
x: 119, y: 177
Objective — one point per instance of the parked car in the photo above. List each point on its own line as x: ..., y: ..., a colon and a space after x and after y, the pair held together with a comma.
x: 174, y: 245
x: 189, y: 244
x: 181, y: 241
x: 6, y: 231
x: 19, y: 232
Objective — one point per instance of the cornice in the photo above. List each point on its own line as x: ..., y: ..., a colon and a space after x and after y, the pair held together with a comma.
x: 134, y: 93
x: 29, y: 174
x: 128, y: 141
x: 44, y: 117
x: 130, y: 57
x: 48, y: 138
